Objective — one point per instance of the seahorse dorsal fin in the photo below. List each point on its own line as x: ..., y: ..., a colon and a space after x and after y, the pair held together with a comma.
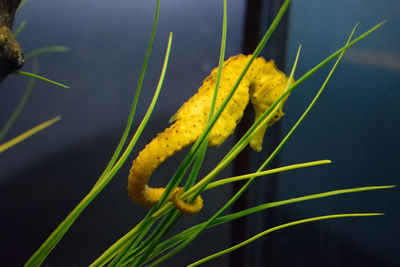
x: 173, y: 118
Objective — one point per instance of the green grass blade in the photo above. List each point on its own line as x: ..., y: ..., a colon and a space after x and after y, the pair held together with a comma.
x: 217, y: 83
x: 56, y: 236
x: 122, y: 243
x: 214, y: 118
x: 39, y: 78
x: 23, y: 3
x: 336, y: 53
x: 280, y: 227
x: 219, y: 111
x: 46, y: 50
x: 308, y: 109
x: 266, y: 206
x: 19, y: 28
x: 109, y: 253
x: 30, y: 85
x: 149, y: 110
x: 257, y: 51
x: 166, y: 224
x: 221, y: 59
x: 173, y: 216
x: 129, y: 248
x: 264, y: 173
x: 138, y: 231
x: 136, y: 98
x: 25, y: 135
x: 202, y: 152
x: 173, y: 241
x: 255, y: 54
x: 184, y: 166
x: 20, y: 106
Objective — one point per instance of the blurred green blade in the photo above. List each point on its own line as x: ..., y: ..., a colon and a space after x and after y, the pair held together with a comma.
x: 46, y: 50
x: 264, y: 173
x: 27, y: 134
x: 280, y: 227
x: 39, y: 77
x: 19, y: 28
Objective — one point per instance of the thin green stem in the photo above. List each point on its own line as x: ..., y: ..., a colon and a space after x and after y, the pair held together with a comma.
x: 165, y: 225
x: 308, y: 109
x: 46, y: 50
x: 206, y: 131
x: 264, y: 173
x: 201, y: 154
x: 117, y: 246
x: 173, y: 241
x: 221, y: 60
x: 23, y: 3
x: 129, y: 247
x: 248, y: 135
x: 39, y: 78
x: 136, y: 98
x: 189, y: 158
x: 109, y: 253
x: 35, y: 66
x: 255, y: 54
x: 336, y: 53
x: 187, y: 161
x: 280, y: 227
x: 171, y: 219
x: 19, y: 28
x: 18, y: 109
x: 202, y: 151
x: 203, y: 147
x: 29, y: 133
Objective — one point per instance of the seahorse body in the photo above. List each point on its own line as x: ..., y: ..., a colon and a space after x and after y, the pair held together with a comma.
x: 262, y: 85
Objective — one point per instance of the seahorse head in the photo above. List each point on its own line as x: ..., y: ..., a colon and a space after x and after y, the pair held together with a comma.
x: 268, y: 84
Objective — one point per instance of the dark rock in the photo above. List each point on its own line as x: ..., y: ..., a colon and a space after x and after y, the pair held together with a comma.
x: 11, y: 56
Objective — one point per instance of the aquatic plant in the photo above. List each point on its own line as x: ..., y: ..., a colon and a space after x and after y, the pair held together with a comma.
x: 146, y: 243
x: 34, y: 56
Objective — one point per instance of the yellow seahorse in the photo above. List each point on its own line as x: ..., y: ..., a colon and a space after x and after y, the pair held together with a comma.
x: 262, y: 85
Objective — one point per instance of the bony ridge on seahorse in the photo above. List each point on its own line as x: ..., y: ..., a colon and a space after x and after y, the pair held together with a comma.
x: 262, y: 85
